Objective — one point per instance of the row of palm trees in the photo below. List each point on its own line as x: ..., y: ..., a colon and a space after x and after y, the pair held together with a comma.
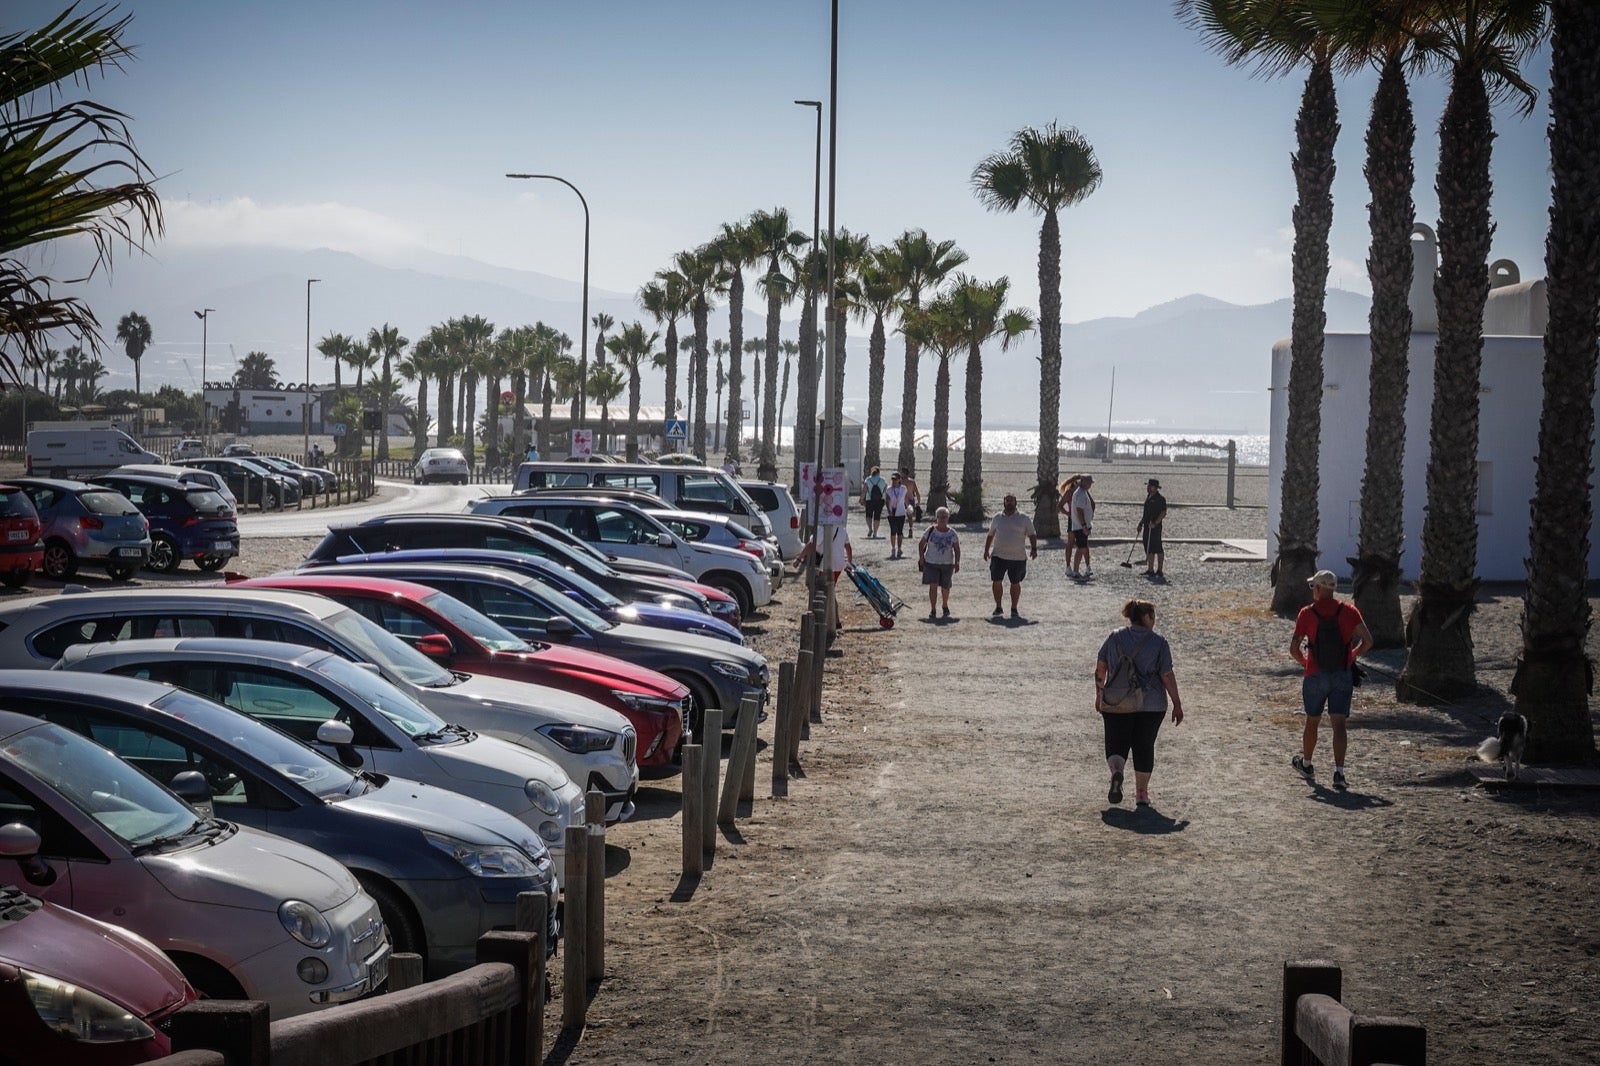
x: 69, y: 376
x: 1479, y: 45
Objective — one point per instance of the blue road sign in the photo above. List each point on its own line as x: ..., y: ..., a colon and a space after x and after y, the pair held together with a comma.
x: 677, y: 429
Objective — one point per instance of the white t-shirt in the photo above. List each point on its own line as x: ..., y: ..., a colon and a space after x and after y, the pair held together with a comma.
x: 1084, y: 506
x: 1011, y: 533
x: 837, y: 555
x: 896, y: 499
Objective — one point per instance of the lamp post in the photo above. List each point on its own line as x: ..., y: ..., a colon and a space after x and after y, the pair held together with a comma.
x: 205, y: 408
x: 305, y: 401
x: 583, y: 332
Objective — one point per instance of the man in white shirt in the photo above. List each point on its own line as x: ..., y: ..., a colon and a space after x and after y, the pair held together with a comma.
x: 1010, y: 534
x: 1082, y: 520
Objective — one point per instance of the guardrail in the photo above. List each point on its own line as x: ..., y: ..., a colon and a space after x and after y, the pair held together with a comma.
x: 1319, y: 1029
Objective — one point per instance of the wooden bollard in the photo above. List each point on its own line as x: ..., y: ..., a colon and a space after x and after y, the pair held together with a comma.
x: 575, y: 974
x: 595, y: 912
x: 819, y: 641
x: 533, y: 916
x: 693, y: 797
x: 711, y: 778
x: 747, y: 780
x: 805, y: 678
x: 780, y: 729
x: 800, y: 706
x: 405, y: 971
x: 744, y: 751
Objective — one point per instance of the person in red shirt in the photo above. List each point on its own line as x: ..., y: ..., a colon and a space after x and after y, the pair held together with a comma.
x: 1328, y: 636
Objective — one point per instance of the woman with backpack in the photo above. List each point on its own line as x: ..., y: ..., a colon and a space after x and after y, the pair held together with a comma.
x: 1133, y: 681
x: 873, y: 494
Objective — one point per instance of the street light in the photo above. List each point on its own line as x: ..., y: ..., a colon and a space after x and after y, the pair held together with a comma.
x: 583, y: 342
x: 205, y: 408
x: 305, y: 401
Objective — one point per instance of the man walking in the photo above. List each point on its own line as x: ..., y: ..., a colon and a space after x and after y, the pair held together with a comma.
x: 1328, y: 638
x: 897, y: 498
x: 1082, y: 520
x: 939, y: 559
x: 1155, y: 512
x: 831, y: 545
x: 1003, y: 549
x: 914, y: 499
x: 873, y: 488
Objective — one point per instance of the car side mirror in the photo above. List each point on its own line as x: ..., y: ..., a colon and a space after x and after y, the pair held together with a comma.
x: 191, y: 787
x: 560, y: 626
x: 18, y: 841
x: 663, y: 540
x: 342, y: 739
x: 437, y: 647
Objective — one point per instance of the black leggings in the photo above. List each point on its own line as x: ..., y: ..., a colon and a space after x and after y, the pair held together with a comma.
x: 1136, y: 731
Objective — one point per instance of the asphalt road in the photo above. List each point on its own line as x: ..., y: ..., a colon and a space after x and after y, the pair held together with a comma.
x: 394, y: 497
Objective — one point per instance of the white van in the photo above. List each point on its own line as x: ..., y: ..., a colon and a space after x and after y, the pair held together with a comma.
x: 81, y: 449
x: 691, y: 488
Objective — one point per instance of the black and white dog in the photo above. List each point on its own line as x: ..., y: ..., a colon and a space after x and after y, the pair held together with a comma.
x: 1507, y: 743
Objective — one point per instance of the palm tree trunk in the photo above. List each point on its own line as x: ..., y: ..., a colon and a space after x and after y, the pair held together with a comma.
x: 877, y: 348
x: 491, y: 428
x: 836, y: 397
x: 519, y: 413
x: 972, y: 446
x: 544, y: 422
x: 1440, y: 664
x: 633, y: 411
x: 1551, y: 683
x: 768, y: 468
x: 700, y: 361
x: 1391, y: 137
x: 907, y: 459
x: 939, y: 465
x: 805, y: 397
x: 446, y: 402
x: 735, y: 363
x: 383, y: 405
x: 1316, y: 131
x: 672, y: 368
x: 469, y: 423
x: 419, y: 439
x: 783, y: 397
x: 1046, y: 497
x: 755, y: 400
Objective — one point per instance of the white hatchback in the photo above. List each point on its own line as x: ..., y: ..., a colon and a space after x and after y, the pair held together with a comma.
x: 441, y: 464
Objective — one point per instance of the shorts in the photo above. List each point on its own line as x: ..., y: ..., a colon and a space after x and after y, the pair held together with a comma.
x: 897, y: 524
x: 1334, y: 690
x: 1080, y: 538
x: 874, y: 511
x: 1152, y: 541
x: 1133, y: 733
x: 941, y: 574
x: 1015, y: 569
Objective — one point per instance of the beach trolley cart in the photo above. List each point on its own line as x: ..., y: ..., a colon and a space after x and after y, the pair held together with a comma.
x: 871, y: 588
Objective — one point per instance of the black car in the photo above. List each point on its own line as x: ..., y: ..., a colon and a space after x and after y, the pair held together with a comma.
x: 249, y: 481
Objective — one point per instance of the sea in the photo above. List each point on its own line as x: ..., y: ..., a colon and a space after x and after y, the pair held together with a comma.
x: 1250, y: 448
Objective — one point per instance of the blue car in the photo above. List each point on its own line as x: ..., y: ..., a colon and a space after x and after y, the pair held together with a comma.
x: 187, y: 521
x: 574, y: 586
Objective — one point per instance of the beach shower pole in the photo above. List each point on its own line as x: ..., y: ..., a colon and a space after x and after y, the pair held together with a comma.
x: 1109, y: 402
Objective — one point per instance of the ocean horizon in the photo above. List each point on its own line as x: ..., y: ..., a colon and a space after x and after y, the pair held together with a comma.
x: 1250, y: 448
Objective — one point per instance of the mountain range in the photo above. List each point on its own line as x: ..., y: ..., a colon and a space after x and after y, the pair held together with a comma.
x: 1195, y: 363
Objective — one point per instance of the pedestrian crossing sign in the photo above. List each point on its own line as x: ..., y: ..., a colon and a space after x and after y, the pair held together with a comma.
x: 677, y: 429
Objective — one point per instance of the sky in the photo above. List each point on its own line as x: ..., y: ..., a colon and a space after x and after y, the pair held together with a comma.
x: 378, y: 127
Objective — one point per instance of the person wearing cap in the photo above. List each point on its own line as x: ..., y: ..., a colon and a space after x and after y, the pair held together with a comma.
x: 1149, y: 530
x: 897, y: 500
x: 1328, y: 637
x: 1082, y: 521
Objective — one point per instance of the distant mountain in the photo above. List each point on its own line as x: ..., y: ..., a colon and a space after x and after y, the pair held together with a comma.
x: 1195, y: 363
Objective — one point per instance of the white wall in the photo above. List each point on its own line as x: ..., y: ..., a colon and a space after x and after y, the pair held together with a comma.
x: 1507, y: 440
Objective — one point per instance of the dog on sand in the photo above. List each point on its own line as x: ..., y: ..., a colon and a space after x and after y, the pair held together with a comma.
x: 1506, y: 745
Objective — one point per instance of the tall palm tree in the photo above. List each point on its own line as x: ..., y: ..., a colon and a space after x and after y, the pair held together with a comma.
x: 93, y: 370
x: 133, y: 333
x: 418, y: 367
x: 386, y: 342
x: 1550, y: 686
x: 632, y: 348
x: 666, y: 300
x: 756, y: 349
x: 719, y: 348
x: 519, y: 347
x: 606, y: 384
x: 978, y: 313
x: 790, y: 350
x: 336, y: 347
x: 849, y: 253
x: 497, y: 366
x: 477, y: 337
x: 257, y: 370
x: 880, y: 291
x: 737, y: 249
x: 938, y: 330
x: 56, y: 153
x: 72, y: 362
x: 812, y: 276
x: 1047, y: 170
x: 361, y: 358
x: 47, y: 362
x: 924, y: 264
x: 779, y: 243
x: 1482, y: 41
x: 704, y: 278
x: 550, y: 362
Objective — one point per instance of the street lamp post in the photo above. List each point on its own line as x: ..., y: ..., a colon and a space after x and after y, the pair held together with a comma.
x: 305, y: 401
x: 583, y: 332
x: 205, y: 408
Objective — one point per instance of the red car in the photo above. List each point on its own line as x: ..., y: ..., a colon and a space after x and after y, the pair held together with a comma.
x: 453, y: 634
x: 21, y: 551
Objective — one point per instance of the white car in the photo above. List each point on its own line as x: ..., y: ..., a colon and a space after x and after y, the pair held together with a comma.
x: 723, y: 531
x: 189, y: 448
x: 783, y: 514
x: 441, y: 464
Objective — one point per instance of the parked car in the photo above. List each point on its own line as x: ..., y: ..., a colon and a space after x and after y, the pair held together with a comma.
x: 78, y: 449
x: 593, y: 744
x: 238, y: 451
x: 252, y: 484
x: 441, y: 464
x: 638, y: 497
x: 691, y: 488
x: 310, y: 484
x: 186, y: 521
x: 443, y: 869
x: 683, y: 618
x: 77, y: 992
x: 86, y: 523
x: 378, y: 728
x: 189, y: 448
x: 242, y: 913
x: 783, y: 514
x: 21, y: 549
x: 187, y: 474
x: 628, y: 531
x: 324, y: 480
x: 718, y: 674
x: 722, y: 531
x: 456, y: 636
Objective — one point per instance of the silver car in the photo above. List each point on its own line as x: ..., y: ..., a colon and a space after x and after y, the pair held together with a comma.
x: 87, y: 524
x: 441, y: 464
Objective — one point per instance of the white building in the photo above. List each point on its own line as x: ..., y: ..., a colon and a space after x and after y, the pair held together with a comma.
x: 1511, y: 394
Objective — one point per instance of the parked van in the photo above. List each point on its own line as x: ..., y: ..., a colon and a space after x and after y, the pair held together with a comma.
x: 81, y: 449
x: 692, y: 488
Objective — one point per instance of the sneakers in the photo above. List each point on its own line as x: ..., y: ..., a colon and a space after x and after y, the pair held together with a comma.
x: 1114, y: 793
x: 1142, y: 801
x: 1014, y: 613
x: 1087, y: 573
x: 932, y: 614
x: 1300, y: 764
x: 997, y: 612
x: 1339, y: 781
x: 947, y: 612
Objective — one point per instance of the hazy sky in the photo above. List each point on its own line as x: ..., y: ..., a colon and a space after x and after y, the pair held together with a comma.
x: 370, y: 126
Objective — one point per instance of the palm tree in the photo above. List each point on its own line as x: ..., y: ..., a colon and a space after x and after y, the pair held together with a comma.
x: 133, y: 333
x: 336, y: 346
x: 924, y: 264
x: 606, y: 384
x: 549, y: 364
x: 89, y: 376
x: 1550, y: 686
x: 880, y: 291
x: 632, y: 348
x: 686, y: 349
x: 361, y: 359
x: 1047, y: 169
x: 978, y: 313
x: 477, y: 336
x: 937, y: 329
x: 756, y: 349
x: 256, y: 370
x: 497, y: 364
x: 703, y: 278
x: 779, y: 244
x: 518, y: 349
x: 419, y: 367
x: 737, y: 249
x: 812, y: 276
x: 72, y: 361
x: 790, y: 350
x: 385, y: 342
x: 1482, y: 41
x: 719, y: 348
x: 54, y: 154
x: 449, y: 341
x: 849, y: 253
x: 666, y: 300
x: 47, y: 362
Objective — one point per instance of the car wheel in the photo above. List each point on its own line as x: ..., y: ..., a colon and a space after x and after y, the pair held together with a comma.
x: 59, y: 562
x: 700, y: 697
x: 732, y: 586
x: 119, y: 571
x: 14, y: 579
x: 208, y: 978
x: 211, y: 562
x: 269, y: 501
x: 164, y: 557
x: 405, y: 933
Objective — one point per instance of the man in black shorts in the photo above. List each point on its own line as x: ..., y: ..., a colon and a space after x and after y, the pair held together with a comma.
x: 1003, y: 548
x: 1155, y: 513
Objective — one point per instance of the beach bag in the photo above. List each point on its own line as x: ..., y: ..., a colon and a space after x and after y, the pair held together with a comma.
x: 1123, y: 692
x: 1329, y: 650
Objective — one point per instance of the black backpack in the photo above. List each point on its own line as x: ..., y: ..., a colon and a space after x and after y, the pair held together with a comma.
x: 876, y: 493
x: 1329, y: 650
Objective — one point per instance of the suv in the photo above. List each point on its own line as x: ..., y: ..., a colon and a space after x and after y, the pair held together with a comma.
x: 87, y: 524
x: 186, y: 521
x: 187, y: 474
x: 21, y: 551
x: 189, y: 448
x: 783, y: 514
x: 722, y: 531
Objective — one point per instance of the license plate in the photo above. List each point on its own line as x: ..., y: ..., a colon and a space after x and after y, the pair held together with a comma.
x: 17, y: 534
x: 378, y: 968
x: 124, y: 552
x: 222, y: 545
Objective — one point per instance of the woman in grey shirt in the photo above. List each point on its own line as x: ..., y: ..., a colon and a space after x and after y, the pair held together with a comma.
x: 1134, y: 730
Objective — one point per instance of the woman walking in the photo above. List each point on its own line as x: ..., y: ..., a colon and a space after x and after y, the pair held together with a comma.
x: 1132, y: 723
x: 1068, y: 487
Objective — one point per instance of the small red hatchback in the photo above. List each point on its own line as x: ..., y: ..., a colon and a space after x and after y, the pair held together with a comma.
x: 455, y: 635
x: 21, y: 551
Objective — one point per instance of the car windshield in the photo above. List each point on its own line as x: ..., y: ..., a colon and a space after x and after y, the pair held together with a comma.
x: 308, y: 768
x: 411, y: 717
x: 107, y: 502
x: 566, y: 605
x: 483, y: 629
x: 14, y: 503
x: 378, y: 645
x: 118, y: 796
x: 586, y: 588
x: 206, y: 500
x: 250, y: 465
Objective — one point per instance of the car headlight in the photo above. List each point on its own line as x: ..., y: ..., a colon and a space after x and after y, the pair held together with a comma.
x: 638, y: 701
x: 541, y: 796
x: 77, y: 1014
x: 486, y: 860
x: 763, y: 674
x: 737, y: 671
x: 305, y: 923
x: 580, y: 739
